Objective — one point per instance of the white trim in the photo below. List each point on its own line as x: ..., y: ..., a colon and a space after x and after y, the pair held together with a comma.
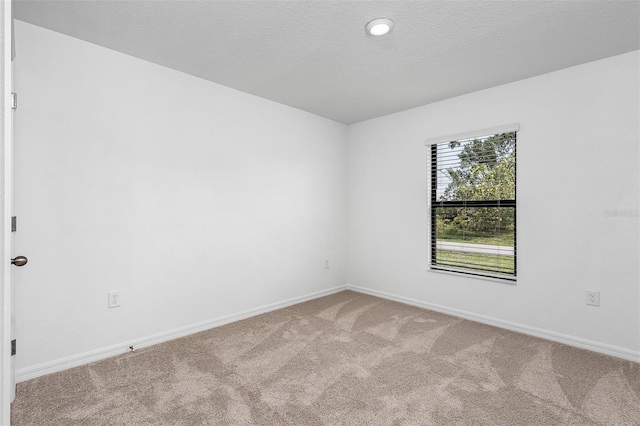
x: 107, y: 352
x: 578, y: 342
x: 110, y: 351
x: 514, y: 127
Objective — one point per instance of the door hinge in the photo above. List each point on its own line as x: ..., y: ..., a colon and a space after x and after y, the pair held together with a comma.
x: 14, y: 100
x: 13, y: 347
x: 14, y: 223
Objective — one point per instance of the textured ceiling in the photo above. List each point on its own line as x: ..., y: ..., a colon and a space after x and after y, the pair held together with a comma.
x: 315, y: 55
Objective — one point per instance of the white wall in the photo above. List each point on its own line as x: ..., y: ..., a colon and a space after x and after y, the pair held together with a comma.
x: 199, y: 202
x: 194, y: 200
x: 577, y: 157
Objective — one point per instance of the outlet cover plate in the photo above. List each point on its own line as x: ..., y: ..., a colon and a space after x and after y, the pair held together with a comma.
x: 593, y: 298
x: 113, y: 299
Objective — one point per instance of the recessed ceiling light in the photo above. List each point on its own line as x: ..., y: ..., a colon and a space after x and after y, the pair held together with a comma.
x: 379, y: 26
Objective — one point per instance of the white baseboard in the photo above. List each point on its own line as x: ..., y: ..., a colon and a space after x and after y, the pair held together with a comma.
x: 110, y: 351
x: 578, y: 342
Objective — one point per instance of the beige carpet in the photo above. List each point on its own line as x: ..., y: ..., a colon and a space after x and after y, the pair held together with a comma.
x: 348, y: 359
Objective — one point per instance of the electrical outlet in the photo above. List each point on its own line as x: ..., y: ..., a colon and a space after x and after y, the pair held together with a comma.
x: 113, y: 299
x: 593, y: 298
x: 326, y: 264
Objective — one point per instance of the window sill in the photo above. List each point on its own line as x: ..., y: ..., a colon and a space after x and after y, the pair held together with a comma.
x: 511, y: 281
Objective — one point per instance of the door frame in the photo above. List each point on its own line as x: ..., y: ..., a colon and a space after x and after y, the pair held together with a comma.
x: 6, y: 195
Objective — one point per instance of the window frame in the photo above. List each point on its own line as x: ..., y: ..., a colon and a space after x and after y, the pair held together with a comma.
x: 433, y: 204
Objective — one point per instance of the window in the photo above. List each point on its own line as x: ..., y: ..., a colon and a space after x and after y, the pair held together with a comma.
x: 473, y: 203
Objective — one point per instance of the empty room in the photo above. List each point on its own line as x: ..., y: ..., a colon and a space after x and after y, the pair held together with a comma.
x: 311, y: 212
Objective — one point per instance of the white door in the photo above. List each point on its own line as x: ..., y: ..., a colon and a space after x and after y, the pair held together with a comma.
x: 7, y: 390
x: 10, y: 224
